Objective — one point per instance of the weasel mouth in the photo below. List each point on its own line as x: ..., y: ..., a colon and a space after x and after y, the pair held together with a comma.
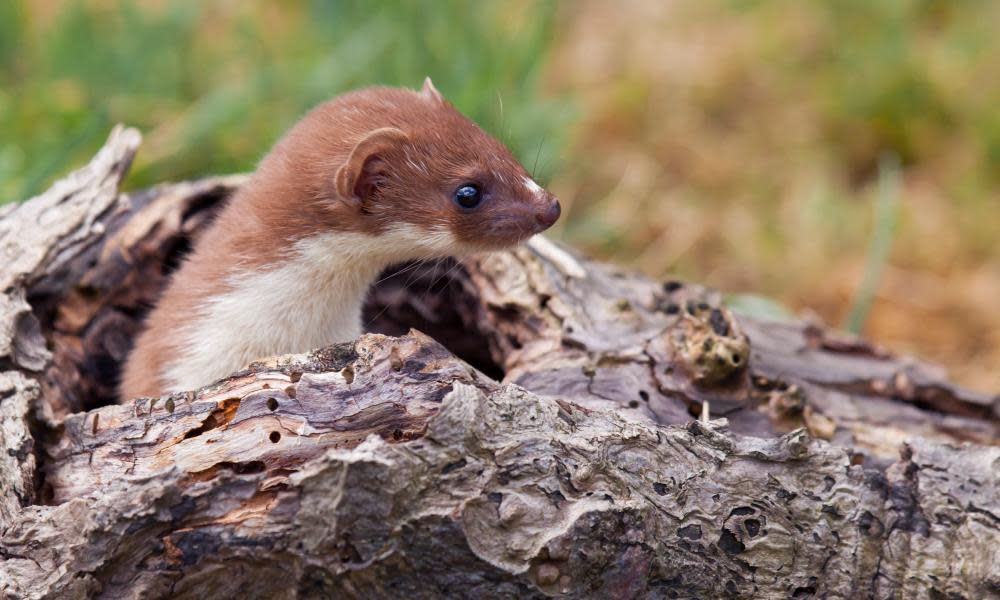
x: 508, y: 232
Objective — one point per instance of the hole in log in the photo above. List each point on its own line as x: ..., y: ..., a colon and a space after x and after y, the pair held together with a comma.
x: 91, y: 308
x: 272, y: 403
x: 437, y: 299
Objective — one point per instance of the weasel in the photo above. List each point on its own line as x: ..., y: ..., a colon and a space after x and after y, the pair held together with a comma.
x: 371, y: 178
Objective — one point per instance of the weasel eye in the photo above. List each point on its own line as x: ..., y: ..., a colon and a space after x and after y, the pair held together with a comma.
x: 468, y: 195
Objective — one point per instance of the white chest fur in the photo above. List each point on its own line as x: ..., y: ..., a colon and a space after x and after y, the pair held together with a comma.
x: 310, y: 300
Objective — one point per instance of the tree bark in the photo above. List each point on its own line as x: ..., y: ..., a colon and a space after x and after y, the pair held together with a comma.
x: 524, y: 424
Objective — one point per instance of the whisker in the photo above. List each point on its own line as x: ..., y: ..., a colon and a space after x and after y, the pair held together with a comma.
x: 380, y: 313
x: 500, y: 100
x: 538, y: 153
x: 451, y: 270
x: 392, y: 274
x: 409, y: 280
x: 430, y: 288
x: 550, y: 159
x: 412, y: 269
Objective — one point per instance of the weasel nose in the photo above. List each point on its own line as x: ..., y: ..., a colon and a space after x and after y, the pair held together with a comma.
x: 548, y: 215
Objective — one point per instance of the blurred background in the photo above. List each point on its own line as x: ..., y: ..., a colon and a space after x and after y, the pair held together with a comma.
x: 839, y: 160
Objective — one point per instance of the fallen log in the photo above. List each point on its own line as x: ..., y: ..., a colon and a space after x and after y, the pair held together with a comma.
x: 522, y: 424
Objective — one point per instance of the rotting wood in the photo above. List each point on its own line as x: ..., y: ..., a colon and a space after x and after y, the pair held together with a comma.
x: 400, y: 466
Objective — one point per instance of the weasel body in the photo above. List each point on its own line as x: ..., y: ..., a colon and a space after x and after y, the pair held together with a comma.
x: 366, y: 180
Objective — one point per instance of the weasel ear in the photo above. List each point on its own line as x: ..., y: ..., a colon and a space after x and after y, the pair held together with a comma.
x: 431, y: 92
x: 365, y: 168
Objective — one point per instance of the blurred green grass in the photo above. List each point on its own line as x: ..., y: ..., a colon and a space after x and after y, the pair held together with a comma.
x: 213, y: 84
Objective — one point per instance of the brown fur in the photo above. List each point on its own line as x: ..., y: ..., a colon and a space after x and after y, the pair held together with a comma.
x: 359, y: 163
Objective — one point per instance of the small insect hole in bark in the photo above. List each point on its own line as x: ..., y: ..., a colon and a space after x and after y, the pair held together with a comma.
x: 395, y: 361
x: 718, y: 322
x: 272, y: 403
x: 275, y: 437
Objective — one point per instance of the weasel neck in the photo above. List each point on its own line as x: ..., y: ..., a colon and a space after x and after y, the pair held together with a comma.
x: 310, y: 298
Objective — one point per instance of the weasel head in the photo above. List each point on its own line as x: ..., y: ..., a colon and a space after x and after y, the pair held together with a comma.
x: 408, y: 166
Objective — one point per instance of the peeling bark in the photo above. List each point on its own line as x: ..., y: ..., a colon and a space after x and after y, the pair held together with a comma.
x: 538, y: 438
